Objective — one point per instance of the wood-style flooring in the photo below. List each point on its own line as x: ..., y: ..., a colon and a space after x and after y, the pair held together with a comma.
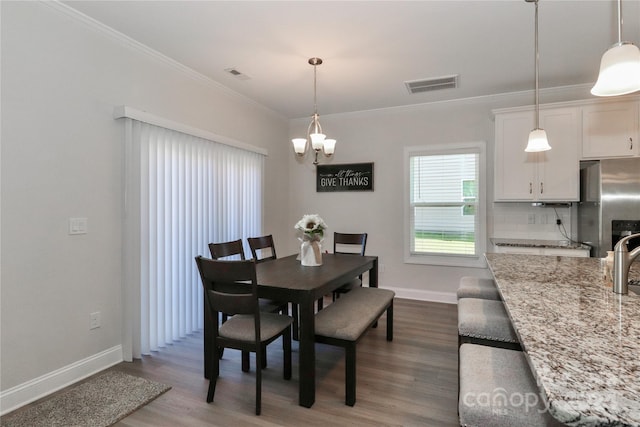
x: 411, y: 381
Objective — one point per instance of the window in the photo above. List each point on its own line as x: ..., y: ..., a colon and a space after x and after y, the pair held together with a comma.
x: 445, y: 205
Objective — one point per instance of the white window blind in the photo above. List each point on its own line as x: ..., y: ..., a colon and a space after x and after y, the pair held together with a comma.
x: 444, y: 204
x: 182, y: 192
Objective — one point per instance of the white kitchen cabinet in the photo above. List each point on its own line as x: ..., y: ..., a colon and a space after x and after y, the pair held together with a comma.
x: 610, y: 130
x: 546, y: 176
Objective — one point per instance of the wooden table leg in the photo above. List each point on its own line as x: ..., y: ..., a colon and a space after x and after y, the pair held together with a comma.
x: 307, y: 350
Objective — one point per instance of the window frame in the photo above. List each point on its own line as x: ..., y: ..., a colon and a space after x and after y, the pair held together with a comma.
x: 476, y: 260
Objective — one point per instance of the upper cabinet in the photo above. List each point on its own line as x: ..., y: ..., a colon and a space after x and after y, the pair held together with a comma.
x: 546, y: 176
x: 610, y: 130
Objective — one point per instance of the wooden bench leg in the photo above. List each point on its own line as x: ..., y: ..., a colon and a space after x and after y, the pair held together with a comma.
x: 390, y: 322
x: 350, y: 374
x: 245, y: 361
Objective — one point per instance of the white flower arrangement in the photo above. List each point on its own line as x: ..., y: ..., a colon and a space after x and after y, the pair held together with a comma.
x: 312, y: 227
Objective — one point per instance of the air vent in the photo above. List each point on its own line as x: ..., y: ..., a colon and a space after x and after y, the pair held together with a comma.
x: 428, y: 85
x: 237, y: 74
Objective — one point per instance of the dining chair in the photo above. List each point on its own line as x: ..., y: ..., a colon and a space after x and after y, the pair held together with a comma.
x: 349, y: 243
x: 263, y: 249
x: 235, y: 249
x: 231, y: 287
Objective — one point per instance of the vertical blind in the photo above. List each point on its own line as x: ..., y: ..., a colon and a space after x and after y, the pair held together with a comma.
x: 443, y: 203
x: 183, y: 192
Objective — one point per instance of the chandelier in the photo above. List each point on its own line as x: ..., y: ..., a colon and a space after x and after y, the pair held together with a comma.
x: 319, y: 141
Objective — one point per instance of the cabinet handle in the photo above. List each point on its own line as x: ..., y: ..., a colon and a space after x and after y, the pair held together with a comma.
x: 541, y: 188
x: 630, y: 143
x: 530, y: 188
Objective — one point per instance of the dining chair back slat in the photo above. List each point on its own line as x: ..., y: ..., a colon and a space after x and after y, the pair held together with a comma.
x: 265, y: 246
x: 346, y: 243
x: 227, y: 249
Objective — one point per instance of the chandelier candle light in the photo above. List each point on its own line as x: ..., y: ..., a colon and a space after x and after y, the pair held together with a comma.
x: 312, y: 229
x: 319, y: 141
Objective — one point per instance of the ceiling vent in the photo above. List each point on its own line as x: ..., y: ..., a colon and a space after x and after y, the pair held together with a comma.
x: 237, y: 74
x: 428, y: 85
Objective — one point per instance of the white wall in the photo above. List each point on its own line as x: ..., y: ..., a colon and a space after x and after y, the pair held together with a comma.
x: 379, y: 137
x: 62, y: 157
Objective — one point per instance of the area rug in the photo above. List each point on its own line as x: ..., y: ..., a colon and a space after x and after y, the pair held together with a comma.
x: 100, y: 401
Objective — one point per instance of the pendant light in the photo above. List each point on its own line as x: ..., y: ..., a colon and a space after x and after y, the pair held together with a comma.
x: 619, y: 67
x: 538, y: 137
x: 319, y: 141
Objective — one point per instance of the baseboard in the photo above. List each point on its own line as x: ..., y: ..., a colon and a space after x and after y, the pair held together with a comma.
x: 37, y: 388
x: 425, y: 295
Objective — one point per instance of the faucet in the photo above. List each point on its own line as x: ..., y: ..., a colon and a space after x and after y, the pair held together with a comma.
x: 622, y: 260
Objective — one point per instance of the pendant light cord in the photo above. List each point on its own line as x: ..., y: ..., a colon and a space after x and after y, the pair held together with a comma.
x: 619, y: 22
x: 537, y: 58
x: 315, y: 102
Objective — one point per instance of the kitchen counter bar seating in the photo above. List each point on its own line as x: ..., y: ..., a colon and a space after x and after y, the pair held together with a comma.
x: 491, y: 367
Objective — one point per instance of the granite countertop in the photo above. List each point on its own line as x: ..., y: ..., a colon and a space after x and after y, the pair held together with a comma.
x: 533, y: 243
x: 582, y: 341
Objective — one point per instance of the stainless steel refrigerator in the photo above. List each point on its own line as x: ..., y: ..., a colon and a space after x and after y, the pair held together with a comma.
x: 609, y: 205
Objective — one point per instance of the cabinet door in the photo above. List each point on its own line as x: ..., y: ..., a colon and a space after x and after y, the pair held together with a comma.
x: 610, y: 130
x: 559, y: 168
x: 514, y: 168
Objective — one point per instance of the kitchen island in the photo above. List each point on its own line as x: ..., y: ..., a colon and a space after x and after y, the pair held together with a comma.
x: 581, y: 340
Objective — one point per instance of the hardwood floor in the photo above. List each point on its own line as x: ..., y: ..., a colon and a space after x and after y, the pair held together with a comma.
x: 411, y: 381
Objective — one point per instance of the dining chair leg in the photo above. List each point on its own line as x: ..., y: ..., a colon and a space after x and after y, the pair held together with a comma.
x: 258, y: 382
x: 295, y: 314
x: 286, y: 348
x: 213, y: 377
x: 264, y: 357
x: 212, y: 389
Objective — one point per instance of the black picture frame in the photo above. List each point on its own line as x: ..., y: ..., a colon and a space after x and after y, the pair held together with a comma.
x: 344, y: 177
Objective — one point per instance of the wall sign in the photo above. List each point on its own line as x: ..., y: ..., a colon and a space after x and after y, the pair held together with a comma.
x: 347, y: 177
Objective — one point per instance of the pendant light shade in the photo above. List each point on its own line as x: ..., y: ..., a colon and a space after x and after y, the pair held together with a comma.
x: 538, y: 137
x: 619, y: 71
x: 619, y: 67
x: 537, y: 141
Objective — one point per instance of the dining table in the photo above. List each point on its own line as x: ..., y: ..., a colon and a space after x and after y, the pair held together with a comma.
x: 581, y: 340
x: 286, y: 279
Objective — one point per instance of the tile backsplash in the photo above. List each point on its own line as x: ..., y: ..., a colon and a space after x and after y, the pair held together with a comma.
x: 524, y: 221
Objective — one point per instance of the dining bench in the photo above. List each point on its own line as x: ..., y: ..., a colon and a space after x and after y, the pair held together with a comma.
x: 344, y: 322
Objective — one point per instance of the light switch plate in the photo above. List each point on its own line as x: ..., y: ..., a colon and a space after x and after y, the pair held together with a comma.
x: 77, y: 225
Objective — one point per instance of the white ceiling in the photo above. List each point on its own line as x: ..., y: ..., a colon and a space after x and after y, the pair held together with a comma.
x: 370, y: 48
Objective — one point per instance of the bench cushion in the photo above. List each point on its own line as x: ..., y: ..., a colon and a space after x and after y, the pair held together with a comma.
x: 477, y: 287
x: 485, y: 319
x: 498, y: 389
x: 350, y: 315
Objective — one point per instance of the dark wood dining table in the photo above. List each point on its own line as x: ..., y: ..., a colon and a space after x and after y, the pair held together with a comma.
x: 285, y: 279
